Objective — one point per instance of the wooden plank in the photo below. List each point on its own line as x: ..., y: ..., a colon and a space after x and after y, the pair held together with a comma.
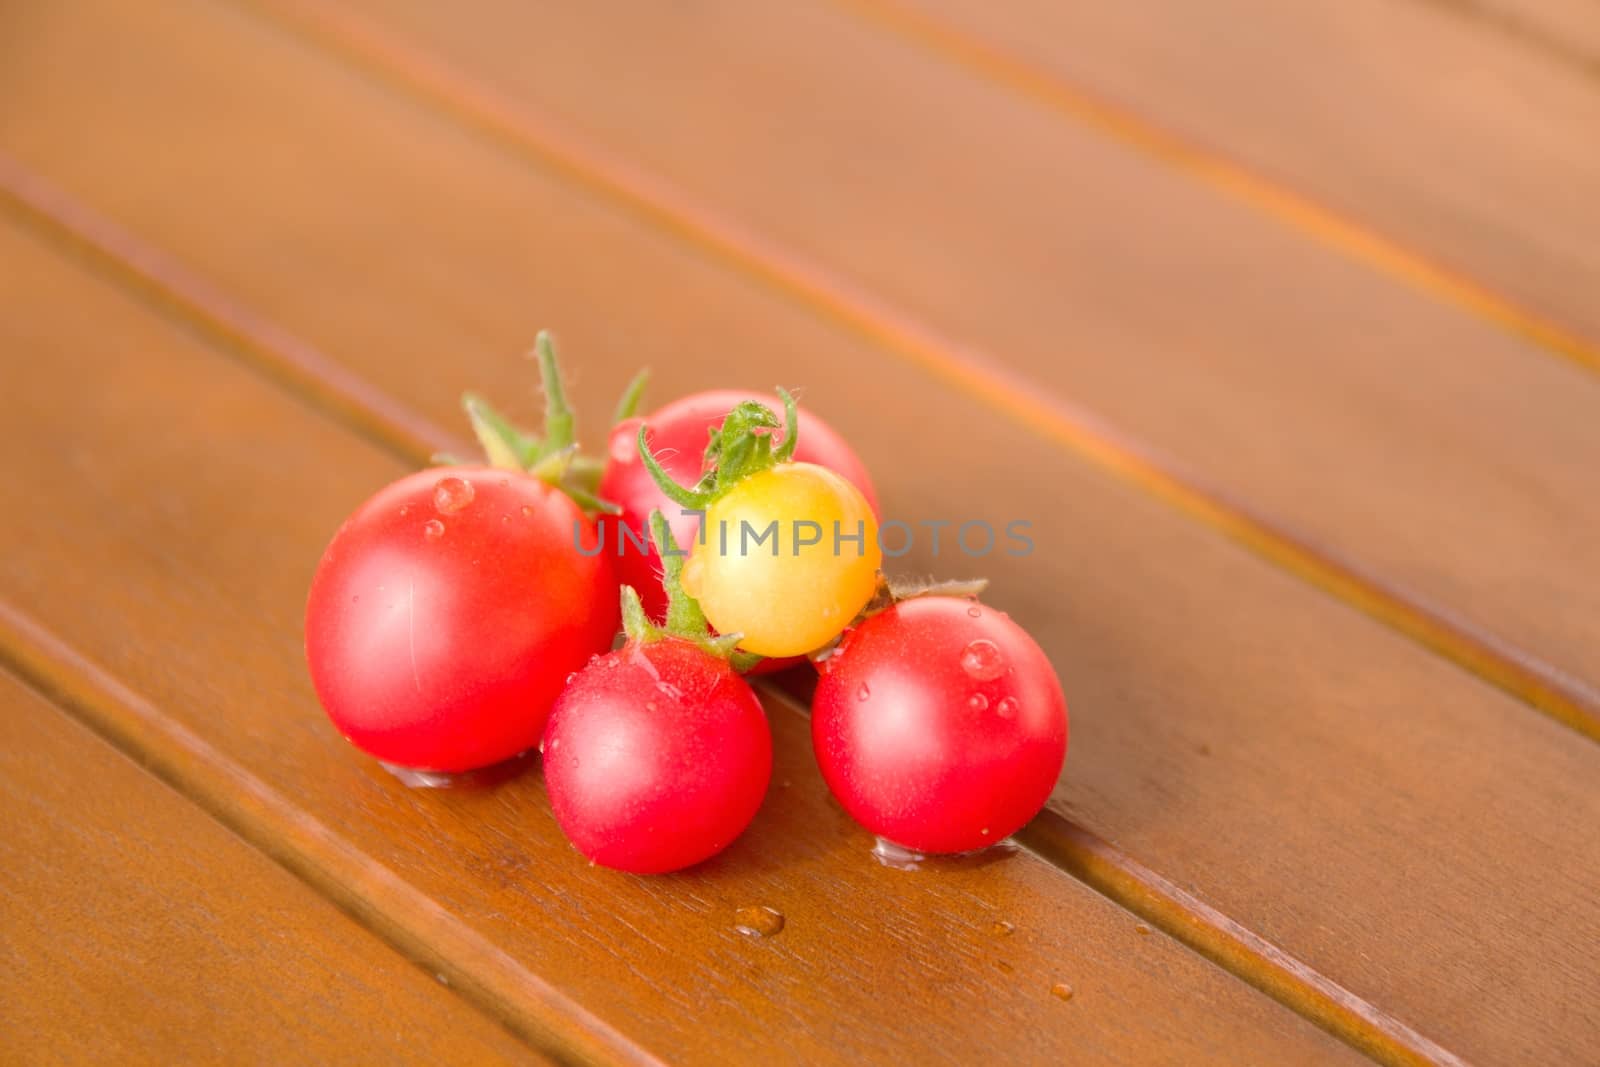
x: 193, y: 500
x: 1468, y: 147
x: 1562, y: 31
x: 1187, y: 318
x: 1231, y: 729
x: 137, y: 930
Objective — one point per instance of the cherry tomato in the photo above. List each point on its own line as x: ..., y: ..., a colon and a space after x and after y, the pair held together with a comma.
x: 448, y: 611
x: 678, y: 434
x: 789, y: 557
x: 657, y: 756
x: 939, y: 725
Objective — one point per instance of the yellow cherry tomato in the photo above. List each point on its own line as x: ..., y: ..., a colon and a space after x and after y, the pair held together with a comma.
x: 787, y: 557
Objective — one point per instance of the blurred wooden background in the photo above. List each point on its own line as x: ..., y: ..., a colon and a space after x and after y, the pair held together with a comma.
x: 1278, y: 321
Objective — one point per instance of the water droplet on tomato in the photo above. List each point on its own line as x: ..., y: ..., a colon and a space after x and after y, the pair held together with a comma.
x: 356, y: 599
x: 978, y: 702
x: 505, y: 518
x: 433, y: 529
x: 505, y: 483
x: 975, y: 611
x: 622, y: 448
x: 757, y: 921
x: 574, y: 761
x: 541, y: 748
x: 896, y: 856
x: 450, y: 495
x: 650, y: 706
x: 1007, y: 708
x: 863, y: 693
x: 983, y: 660
x: 405, y: 509
x: 1061, y: 990
x: 527, y: 511
x: 1002, y: 928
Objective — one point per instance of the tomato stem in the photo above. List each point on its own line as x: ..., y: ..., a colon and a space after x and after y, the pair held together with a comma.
x: 560, y: 428
x: 628, y: 403
x: 554, y: 458
x: 685, y: 621
x: 740, y: 447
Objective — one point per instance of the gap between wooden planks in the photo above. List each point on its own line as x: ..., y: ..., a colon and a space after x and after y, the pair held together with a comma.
x: 194, y: 458
x: 1440, y: 624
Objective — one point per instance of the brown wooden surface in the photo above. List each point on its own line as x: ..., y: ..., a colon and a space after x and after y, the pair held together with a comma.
x: 137, y: 930
x: 1186, y: 317
x: 1422, y: 120
x: 1364, y: 831
x: 182, y: 434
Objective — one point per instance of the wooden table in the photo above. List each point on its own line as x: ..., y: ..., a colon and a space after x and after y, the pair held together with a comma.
x: 1278, y: 322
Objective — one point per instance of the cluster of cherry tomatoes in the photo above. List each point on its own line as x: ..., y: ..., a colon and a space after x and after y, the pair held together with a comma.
x: 609, y: 612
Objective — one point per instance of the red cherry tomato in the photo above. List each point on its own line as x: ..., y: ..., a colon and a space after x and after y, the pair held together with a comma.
x: 940, y: 725
x: 678, y: 435
x: 657, y: 756
x: 448, y: 611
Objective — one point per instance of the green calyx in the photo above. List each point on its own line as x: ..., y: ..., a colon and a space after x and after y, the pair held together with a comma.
x: 685, y: 620
x: 553, y: 458
x: 740, y: 447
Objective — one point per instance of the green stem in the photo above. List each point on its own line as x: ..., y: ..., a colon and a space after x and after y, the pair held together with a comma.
x: 628, y: 403
x: 559, y: 426
x: 676, y: 493
x: 740, y: 447
x: 684, y: 616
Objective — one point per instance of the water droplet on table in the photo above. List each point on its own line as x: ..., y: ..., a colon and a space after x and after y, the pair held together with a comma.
x: 1002, y: 928
x: 896, y: 856
x: 419, y: 779
x: 1141, y: 929
x: 1061, y: 990
x: 756, y: 921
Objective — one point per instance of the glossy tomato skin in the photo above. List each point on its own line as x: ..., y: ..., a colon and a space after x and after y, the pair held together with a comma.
x: 657, y: 756
x: 940, y: 725
x: 448, y: 611
x: 799, y: 589
x: 678, y: 435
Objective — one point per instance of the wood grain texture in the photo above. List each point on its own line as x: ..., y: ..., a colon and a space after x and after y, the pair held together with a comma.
x: 1185, y: 317
x: 224, y: 490
x: 1560, y: 31
x: 1416, y: 118
x: 135, y: 930
x: 1231, y: 730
